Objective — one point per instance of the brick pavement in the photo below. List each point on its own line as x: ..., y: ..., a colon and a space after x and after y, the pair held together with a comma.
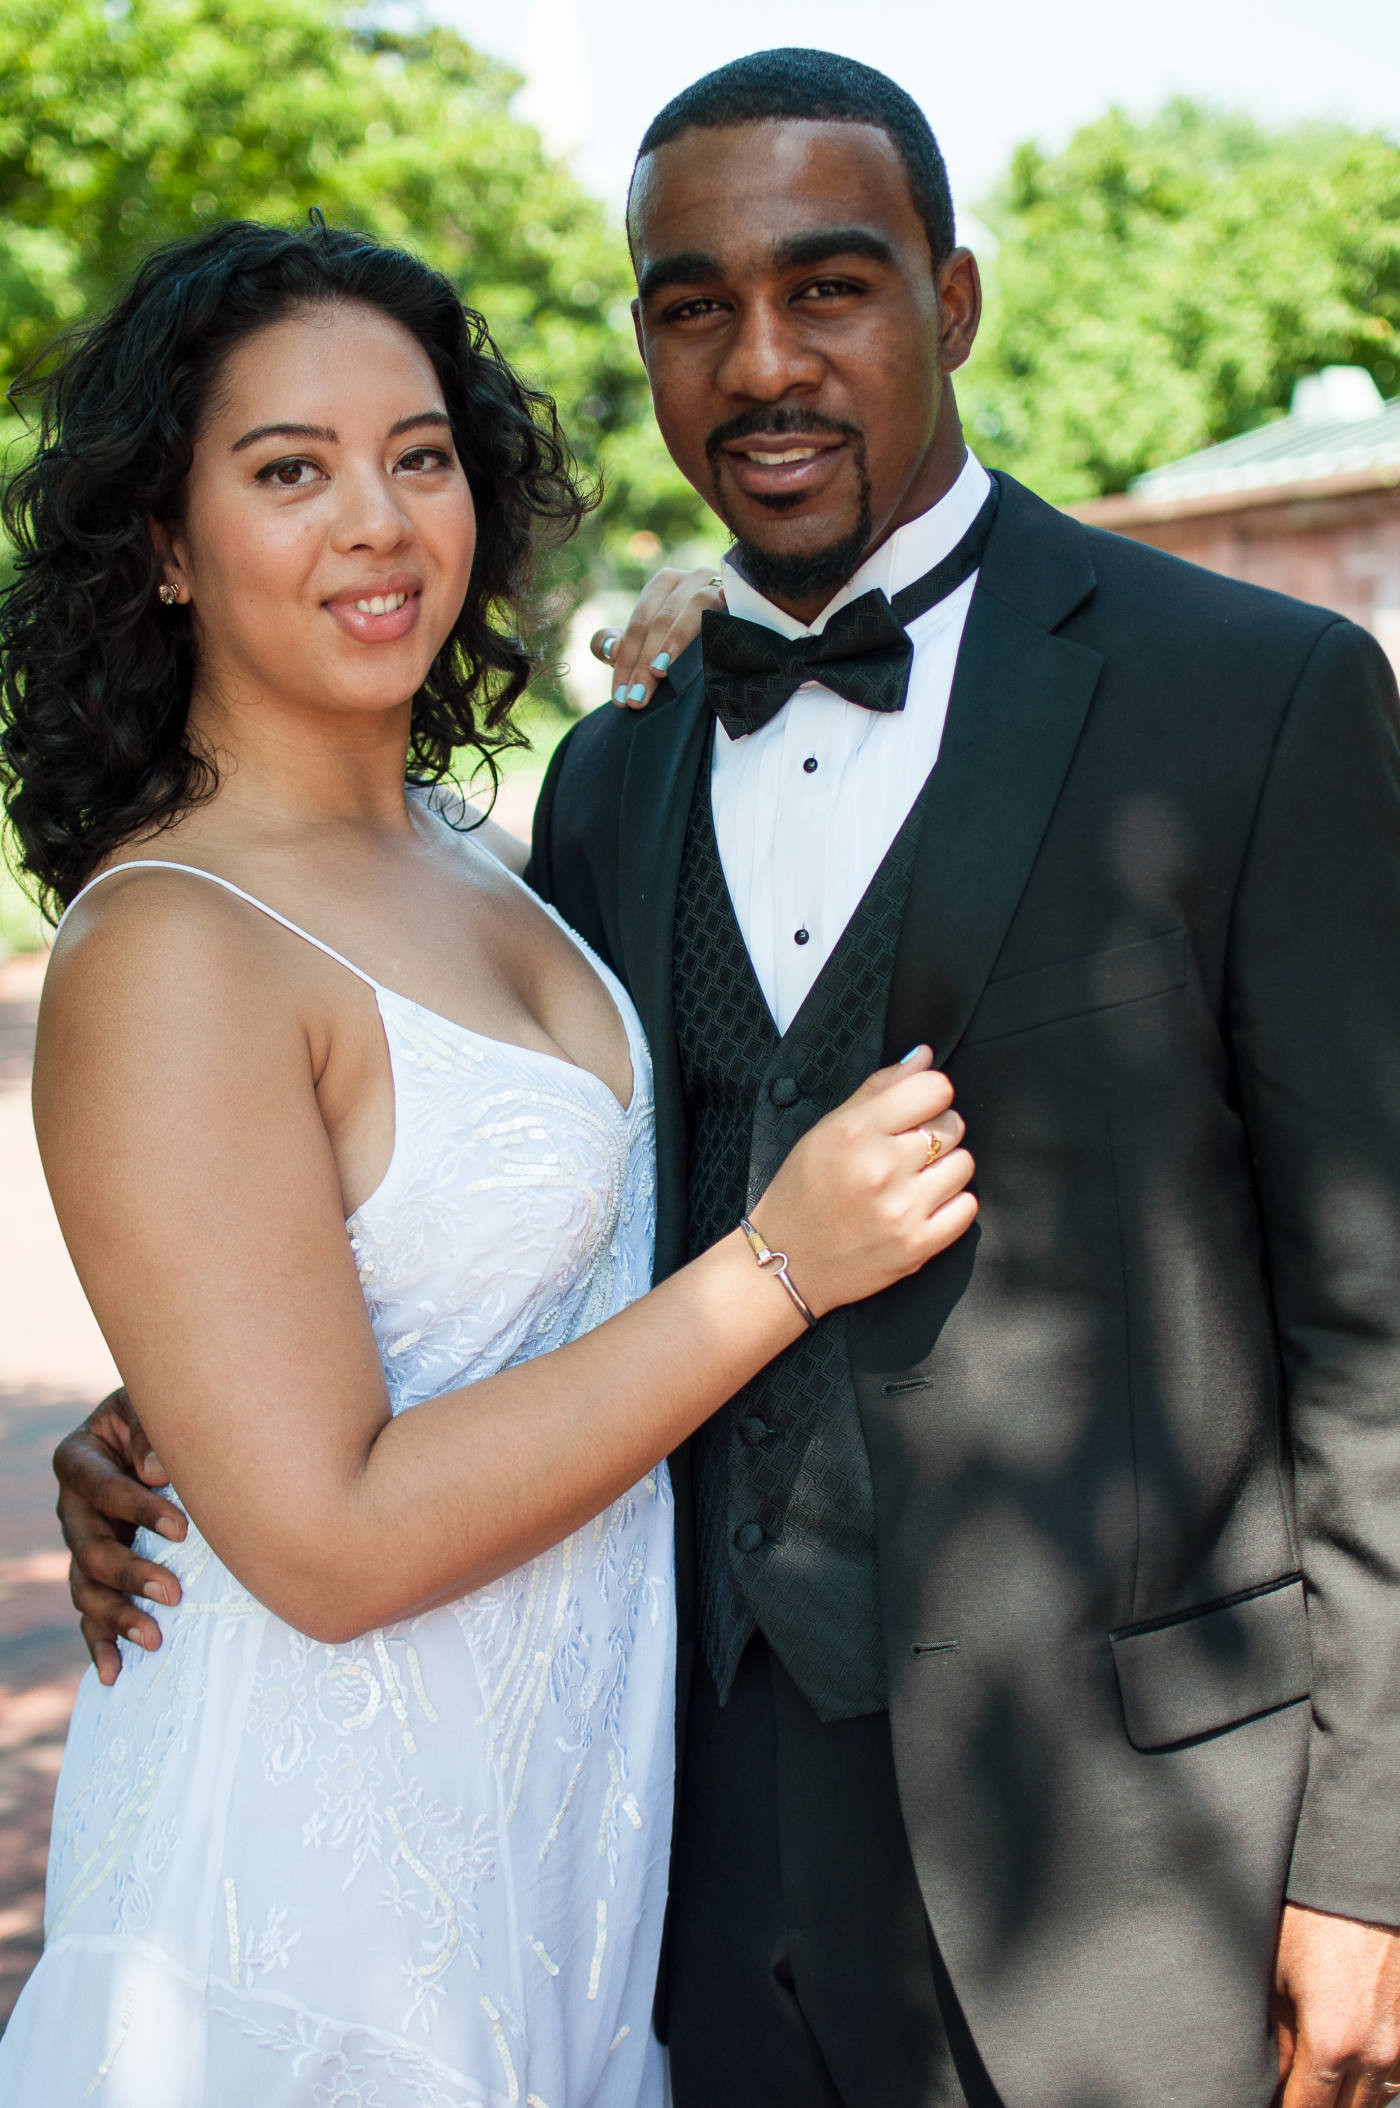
x: 53, y: 1366
x: 41, y: 1657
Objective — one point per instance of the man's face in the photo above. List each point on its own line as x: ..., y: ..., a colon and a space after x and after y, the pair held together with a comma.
x: 796, y: 338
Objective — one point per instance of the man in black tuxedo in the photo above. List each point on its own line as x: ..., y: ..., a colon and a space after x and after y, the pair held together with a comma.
x: 1044, y: 1689
x: 1053, y: 1600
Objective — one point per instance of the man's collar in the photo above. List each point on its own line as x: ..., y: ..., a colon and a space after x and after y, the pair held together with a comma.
x: 906, y: 555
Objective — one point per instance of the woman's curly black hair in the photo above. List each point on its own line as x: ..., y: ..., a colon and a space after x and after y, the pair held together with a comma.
x: 96, y: 674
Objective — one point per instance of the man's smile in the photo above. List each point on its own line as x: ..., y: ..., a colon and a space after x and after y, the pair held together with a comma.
x: 773, y: 465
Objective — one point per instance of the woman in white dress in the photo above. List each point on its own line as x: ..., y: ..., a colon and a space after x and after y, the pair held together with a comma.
x: 340, y: 1122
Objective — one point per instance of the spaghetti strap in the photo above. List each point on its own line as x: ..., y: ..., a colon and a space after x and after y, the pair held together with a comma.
x: 158, y: 863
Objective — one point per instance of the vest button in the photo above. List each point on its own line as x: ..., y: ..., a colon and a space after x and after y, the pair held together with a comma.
x: 748, y: 1537
x: 753, y: 1430
x: 783, y: 1090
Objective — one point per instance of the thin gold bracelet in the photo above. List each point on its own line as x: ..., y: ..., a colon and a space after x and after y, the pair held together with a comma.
x: 775, y: 1263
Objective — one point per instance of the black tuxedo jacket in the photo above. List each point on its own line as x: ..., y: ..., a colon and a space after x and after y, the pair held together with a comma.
x: 1136, y: 1440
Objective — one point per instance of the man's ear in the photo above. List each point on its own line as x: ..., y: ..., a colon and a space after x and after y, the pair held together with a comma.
x: 637, y: 328
x: 959, y: 307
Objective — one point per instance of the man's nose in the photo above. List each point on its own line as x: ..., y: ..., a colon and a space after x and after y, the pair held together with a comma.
x: 767, y: 356
x: 371, y: 513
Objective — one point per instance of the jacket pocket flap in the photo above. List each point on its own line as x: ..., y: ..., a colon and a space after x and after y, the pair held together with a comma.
x: 1212, y: 1668
x: 1069, y: 988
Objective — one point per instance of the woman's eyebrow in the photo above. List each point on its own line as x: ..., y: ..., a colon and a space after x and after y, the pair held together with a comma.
x: 421, y: 417
x: 321, y: 432
x: 330, y: 437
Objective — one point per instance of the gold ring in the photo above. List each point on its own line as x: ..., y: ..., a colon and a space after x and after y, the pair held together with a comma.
x: 717, y: 583
x: 933, y: 1143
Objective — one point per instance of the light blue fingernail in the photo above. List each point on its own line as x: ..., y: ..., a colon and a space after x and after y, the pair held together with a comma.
x: 620, y: 695
x: 660, y: 663
x: 637, y: 693
x: 909, y: 1056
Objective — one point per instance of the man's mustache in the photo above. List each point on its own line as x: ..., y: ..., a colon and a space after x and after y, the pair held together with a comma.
x: 784, y: 421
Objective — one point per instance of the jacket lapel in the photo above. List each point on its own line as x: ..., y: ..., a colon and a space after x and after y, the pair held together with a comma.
x: 1019, y: 700
x: 657, y: 789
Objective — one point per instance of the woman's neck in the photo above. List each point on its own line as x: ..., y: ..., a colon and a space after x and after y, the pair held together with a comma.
x: 284, y: 769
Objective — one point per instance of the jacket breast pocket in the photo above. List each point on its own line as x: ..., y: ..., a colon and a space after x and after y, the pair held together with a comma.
x: 1072, y: 987
x: 1183, y: 1677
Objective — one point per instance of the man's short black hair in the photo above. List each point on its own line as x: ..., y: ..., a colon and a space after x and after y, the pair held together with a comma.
x: 795, y: 82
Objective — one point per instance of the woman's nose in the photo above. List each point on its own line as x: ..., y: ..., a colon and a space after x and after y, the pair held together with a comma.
x: 371, y: 512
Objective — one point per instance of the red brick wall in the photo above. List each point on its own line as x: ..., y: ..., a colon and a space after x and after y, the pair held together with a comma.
x: 1340, y: 552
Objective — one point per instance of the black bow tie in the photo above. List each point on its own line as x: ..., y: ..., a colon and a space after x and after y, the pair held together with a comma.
x: 863, y: 653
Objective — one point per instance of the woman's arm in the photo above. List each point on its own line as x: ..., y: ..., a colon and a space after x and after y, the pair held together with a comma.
x: 176, y: 1110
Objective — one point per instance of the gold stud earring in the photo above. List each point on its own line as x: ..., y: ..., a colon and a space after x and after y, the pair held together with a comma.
x: 168, y: 596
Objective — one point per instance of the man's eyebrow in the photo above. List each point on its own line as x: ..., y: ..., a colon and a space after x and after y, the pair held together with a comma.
x: 817, y: 245
x: 688, y: 267
x: 330, y: 437
x: 821, y: 244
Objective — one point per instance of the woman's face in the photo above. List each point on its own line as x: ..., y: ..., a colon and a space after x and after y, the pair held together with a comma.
x: 328, y: 530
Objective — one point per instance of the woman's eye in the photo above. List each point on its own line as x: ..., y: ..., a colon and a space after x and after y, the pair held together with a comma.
x: 424, y: 457
x: 288, y: 475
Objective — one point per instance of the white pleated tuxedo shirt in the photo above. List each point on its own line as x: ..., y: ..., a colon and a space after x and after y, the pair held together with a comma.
x: 806, y: 808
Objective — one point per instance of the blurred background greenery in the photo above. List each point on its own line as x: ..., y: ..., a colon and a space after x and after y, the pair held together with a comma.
x: 1155, y: 286
x: 1160, y: 284
x: 123, y: 124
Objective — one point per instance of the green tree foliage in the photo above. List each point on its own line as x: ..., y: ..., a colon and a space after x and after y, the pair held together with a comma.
x: 1160, y: 285
x: 128, y: 123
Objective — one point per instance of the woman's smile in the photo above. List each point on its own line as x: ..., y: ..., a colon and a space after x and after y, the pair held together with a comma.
x: 378, y: 611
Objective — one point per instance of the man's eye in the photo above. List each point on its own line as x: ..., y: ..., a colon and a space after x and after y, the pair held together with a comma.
x: 692, y: 310
x: 827, y: 289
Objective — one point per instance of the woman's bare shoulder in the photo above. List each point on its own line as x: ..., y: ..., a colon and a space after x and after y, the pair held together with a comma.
x: 157, y: 947
x: 164, y: 1011
x: 145, y: 905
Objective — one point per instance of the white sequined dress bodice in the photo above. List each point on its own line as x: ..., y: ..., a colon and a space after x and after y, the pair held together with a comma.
x: 426, y: 1869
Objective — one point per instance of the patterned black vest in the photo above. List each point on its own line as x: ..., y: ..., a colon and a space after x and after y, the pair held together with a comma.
x: 785, y: 1511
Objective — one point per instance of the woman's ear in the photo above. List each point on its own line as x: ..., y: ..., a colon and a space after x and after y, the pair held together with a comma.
x: 174, y: 586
